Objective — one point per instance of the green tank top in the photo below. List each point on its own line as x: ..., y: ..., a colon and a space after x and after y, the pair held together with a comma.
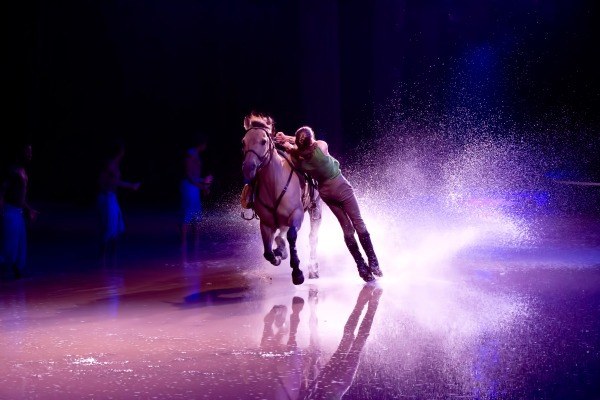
x: 320, y: 167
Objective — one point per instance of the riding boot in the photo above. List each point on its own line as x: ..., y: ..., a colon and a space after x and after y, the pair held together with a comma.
x: 363, y: 269
x: 367, y: 245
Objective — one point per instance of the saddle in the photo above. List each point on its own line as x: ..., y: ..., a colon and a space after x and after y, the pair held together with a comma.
x: 308, y: 185
x: 309, y: 191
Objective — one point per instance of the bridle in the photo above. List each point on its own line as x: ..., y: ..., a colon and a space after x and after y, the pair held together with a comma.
x: 266, y: 158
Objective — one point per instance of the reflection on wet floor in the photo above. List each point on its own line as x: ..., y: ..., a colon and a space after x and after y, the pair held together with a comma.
x: 222, y: 325
x: 301, y: 373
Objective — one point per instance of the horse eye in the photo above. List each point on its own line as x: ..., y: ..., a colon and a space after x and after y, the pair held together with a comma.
x: 263, y: 142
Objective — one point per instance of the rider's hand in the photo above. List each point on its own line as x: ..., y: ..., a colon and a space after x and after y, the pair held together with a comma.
x: 208, y: 180
x: 280, y: 138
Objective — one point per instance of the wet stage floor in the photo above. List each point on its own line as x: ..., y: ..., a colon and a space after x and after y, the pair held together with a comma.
x: 486, y: 321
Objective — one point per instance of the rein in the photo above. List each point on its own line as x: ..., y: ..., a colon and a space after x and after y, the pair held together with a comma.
x: 278, y: 201
x: 263, y: 162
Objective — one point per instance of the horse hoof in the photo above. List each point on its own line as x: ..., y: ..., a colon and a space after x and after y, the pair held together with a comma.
x: 272, y: 258
x: 297, y: 277
x: 281, y: 249
x: 282, y: 253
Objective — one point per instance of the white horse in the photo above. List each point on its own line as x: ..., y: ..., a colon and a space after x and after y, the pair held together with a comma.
x: 279, y: 198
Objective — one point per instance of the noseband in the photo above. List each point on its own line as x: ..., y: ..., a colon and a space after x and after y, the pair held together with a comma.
x: 264, y: 159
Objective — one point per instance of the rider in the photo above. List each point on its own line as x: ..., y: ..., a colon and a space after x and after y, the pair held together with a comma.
x: 312, y: 156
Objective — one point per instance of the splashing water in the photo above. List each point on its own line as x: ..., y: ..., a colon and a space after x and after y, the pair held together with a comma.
x: 432, y: 187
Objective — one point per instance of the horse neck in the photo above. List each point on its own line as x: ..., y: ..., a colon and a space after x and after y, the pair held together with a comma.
x: 273, y: 171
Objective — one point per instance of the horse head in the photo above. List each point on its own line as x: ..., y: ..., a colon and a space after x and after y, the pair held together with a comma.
x: 258, y: 148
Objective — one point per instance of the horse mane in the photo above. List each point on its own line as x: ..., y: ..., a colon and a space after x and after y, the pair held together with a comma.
x: 256, y: 120
x: 258, y: 124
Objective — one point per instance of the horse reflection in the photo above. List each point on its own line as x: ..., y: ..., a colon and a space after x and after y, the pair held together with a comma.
x: 300, y: 374
x: 285, y: 364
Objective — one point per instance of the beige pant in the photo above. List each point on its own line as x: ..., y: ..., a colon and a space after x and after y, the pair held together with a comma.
x: 338, y: 194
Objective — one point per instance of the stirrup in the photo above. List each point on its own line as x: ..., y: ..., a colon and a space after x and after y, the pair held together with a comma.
x: 253, y: 216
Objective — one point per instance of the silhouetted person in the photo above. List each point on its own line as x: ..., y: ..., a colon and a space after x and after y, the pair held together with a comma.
x: 15, y: 212
x: 111, y: 218
x: 192, y: 187
x: 312, y: 157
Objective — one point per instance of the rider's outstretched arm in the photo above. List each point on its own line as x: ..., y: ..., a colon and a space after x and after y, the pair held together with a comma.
x: 289, y: 147
x: 281, y: 137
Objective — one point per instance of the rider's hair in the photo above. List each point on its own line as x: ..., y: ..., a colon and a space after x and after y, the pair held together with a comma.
x: 304, y: 137
x: 305, y: 141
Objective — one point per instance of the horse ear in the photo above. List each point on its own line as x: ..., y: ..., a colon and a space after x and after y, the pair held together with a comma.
x: 246, y: 123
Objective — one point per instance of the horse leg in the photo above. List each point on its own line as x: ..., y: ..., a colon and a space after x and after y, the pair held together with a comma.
x: 313, y: 237
x: 267, y: 233
x: 297, y: 275
x: 294, y: 223
x: 281, y: 249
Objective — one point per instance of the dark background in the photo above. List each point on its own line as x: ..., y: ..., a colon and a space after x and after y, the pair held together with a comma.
x: 153, y: 72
